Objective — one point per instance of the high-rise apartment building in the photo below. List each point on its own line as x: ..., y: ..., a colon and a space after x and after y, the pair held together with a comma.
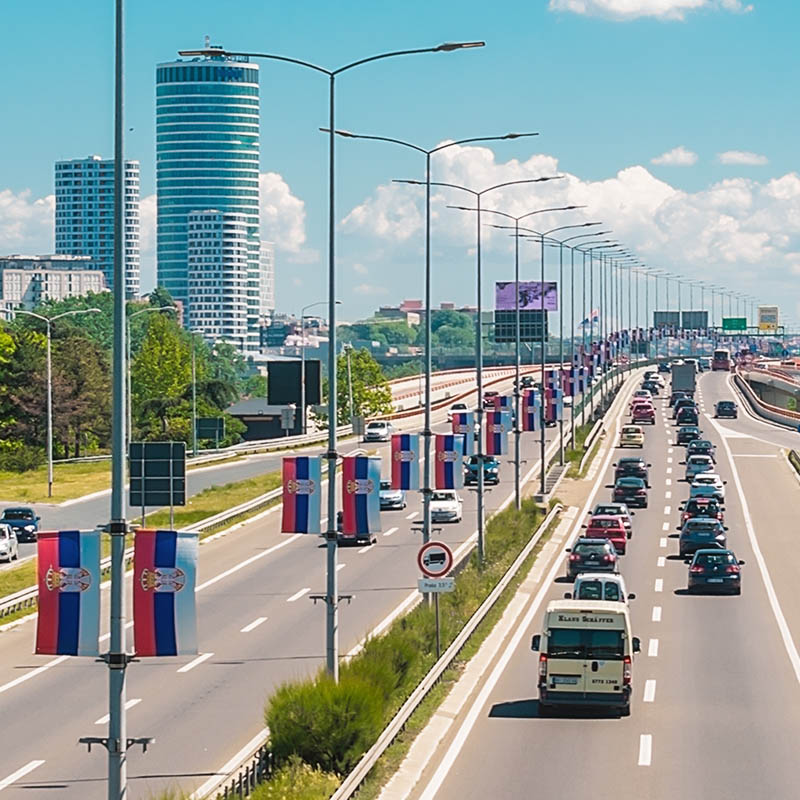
x: 267, y: 282
x: 85, y: 216
x: 218, y: 267
x: 207, y: 154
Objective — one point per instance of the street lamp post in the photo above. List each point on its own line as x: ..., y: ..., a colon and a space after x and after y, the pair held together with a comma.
x: 332, y: 588
x: 303, y: 415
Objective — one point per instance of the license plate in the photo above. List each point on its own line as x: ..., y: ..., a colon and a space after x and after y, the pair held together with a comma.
x: 566, y: 680
x: 715, y: 580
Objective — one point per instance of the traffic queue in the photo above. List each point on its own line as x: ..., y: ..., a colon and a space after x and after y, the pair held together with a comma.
x: 586, y: 648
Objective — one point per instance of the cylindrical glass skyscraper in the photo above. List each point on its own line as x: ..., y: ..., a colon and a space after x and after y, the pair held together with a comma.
x: 207, y: 157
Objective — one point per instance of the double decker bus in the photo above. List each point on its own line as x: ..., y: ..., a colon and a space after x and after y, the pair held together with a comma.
x: 721, y: 360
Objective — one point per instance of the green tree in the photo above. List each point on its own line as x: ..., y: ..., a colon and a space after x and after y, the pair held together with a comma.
x: 371, y: 393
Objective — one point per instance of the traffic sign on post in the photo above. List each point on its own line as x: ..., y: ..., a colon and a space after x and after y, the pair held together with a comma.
x: 426, y: 585
x: 734, y: 323
x: 435, y: 559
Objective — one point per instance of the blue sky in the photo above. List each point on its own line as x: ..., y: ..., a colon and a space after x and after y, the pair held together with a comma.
x: 607, y: 94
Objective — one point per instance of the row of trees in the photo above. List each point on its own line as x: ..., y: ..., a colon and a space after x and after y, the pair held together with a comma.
x: 449, y: 329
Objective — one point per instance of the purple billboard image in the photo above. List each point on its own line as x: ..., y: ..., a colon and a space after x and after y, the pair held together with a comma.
x: 530, y: 296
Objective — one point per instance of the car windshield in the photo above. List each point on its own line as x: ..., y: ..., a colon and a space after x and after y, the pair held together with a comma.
x: 591, y: 549
x: 689, y: 429
x: 386, y: 486
x: 377, y: 425
x: 631, y: 429
x: 598, y: 590
x: 631, y: 483
x: 17, y: 513
x: 443, y: 496
x: 705, y: 480
x: 715, y: 559
x: 584, y: 643
x: 610, y: 509
x: 605, y: 523
x: 725, y: 404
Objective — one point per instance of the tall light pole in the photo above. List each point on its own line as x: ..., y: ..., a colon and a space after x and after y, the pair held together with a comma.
x: 332, y: 587
x: 48, y: 321
x: 128, y: 395
x: 427, y: 488
x: 303, y: 415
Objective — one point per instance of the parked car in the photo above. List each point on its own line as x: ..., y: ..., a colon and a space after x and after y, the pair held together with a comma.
x: 600, y: 586
x: 631, y: 491
x: 491, y: 470
x: 631, y: 436
x: 24, y: 521
x: 634, y: 466
x: 591, y: 555
x: 446, y: 506
x: 608, y: 527
x: 9, y: 546
x: 715, y: 570
x: 391, y: 498
x: 687, y: 434
x: 378, y: 431
x: 726, y: 409
x: 456, y: 408
x: 701, y: 447
x: 701, y: 532
x: 697, y: 464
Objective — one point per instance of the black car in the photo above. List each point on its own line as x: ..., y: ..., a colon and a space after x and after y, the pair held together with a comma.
x: 591, y: 555
x: 632, y: 466
x: 701, y: 532
x: 680, y: 404
x: 525, y: 382
x: 701, y: 447
x: 688, y: 433
x: 24, y: 521
x: 652, y: 387
x: 663, y: 366
x: 678, y: 394
x: 687, y: 416
x: 715, y: 570
x: 631, y: 491
x: 491, y: 470
x: 726, y: 409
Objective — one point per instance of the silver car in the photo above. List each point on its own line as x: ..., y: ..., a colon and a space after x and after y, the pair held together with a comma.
x: 697, y: 464
x: 9, y: 546
x: 378, y: 431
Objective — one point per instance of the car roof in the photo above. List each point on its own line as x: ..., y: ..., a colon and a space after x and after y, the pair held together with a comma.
x: 614, y: 517
x: 18, y: 508
x: 607, y: 606
x: 594, y: 540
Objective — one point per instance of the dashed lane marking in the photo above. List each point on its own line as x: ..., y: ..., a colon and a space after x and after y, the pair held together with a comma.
x: 661, y: 561
x: 195, y: 662
x: 20, y: 773
x: 656, y: 617
x: 652, y: 648
x: 253, y: 625
x: 298, y: 595
x: 134, y: 701
x: 645, y: 750
x: 667, y: 509
x: 390, y: 531
x: 649, y: 691
x: 659, y: 585
x: 663, y: 542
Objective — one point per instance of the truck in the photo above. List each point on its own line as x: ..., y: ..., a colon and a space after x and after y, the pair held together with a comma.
x: 684, y: 377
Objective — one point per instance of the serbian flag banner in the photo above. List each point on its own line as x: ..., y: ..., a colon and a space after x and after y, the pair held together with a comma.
x: 405, y: 461
x: 551, y: 377
x: 68, y: 571
x: 449, y: 473
x: 502, y: 402
x: 498, y: 424
x: 464, y: 425
x: 302, y: 495
x: 164, y: 577
x: 532, y: 410
x: 361, y: 505
x: 557, y: 405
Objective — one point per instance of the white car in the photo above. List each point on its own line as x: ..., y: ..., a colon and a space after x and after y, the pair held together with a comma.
x: 698, y: 464
x: 378, y: 431
x: 708, y: 484
x: 645, y: 393
x: 446, y: 506
x: 9, y: 546
x: 456, y: 408
x: 600, y: 586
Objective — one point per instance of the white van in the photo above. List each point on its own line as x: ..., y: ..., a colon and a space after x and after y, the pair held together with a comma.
x: 585, y: 655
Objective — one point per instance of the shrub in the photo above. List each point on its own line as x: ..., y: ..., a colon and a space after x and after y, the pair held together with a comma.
x: 20, y: 457
x: 297, y: 781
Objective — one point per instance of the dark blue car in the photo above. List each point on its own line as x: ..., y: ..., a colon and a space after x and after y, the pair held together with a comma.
x: 491, y: 470
x: 24, y: 521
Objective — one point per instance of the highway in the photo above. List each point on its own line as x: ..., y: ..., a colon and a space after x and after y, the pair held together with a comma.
x: 257, y: 627
x: 716, y: 684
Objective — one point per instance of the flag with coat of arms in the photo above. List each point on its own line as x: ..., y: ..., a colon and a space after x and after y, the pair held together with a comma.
x: 302, y: 494
x: 361, y: 506
x: 464, y: 425
x: 531, y: 410
x: 449, y: 470
x: 498, y: 424
x: 405, y: 461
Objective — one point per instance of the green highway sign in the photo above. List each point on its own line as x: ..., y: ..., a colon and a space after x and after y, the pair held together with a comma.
x: 734, y: 323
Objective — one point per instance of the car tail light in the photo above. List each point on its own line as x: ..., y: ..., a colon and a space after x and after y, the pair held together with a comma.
x: 696, y: 569
x: 626, y: 671
x: 542, y: 665
x: 574, y: 557
x: 732, y: 569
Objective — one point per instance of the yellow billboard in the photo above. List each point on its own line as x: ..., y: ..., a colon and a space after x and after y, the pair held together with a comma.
x: 768, y: 319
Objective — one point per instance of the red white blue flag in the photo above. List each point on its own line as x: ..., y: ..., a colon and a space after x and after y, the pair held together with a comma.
x: 531, y: 410
x: 498, y: 424
x: 164, y: 577
x: 68, y: 571
x: 302, y: 501
x: 503, y: 402
x: 449, y: 470
x: 361, y: 506
x: 554, y: 405
x: 405, y: 461
x: 464, y: 425
x: 551, y: 377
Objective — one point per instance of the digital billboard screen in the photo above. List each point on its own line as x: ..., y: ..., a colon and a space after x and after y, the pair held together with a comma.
x: 530, y: 296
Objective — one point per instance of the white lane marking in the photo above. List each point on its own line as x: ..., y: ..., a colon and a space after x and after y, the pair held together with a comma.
x: 665, y: 526
x: 412, y: 515
x: 134, y: 701
x: 645, y: 749
x: 669, y: 459
x: 649, y: 691
x: 662, y: 542
x: 669, y: 450
x: 365, y: 549
x: 669, y: 472
x: 659, y: 585
x: 777, y: 611
x: 390, y: 531
x: 32, y: 674
x: 668, y: 496
x: 755, y: 455
x: 340, y: 566
x: 652, y: 648
x: 20, y: 773
x: 253, y: 625
x: 661, y: 561
x: 195, y: 662
x: 656, y: 614
x: 667, y: 509
x: 248, y: 561
x: 298, y: 595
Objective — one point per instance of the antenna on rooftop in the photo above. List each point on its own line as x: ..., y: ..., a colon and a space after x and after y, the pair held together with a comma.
x: 207, y: 41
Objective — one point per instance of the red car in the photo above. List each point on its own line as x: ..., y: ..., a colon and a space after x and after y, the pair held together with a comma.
x: 702, y: 507
x: 643, y: 412
x: 609, y: 527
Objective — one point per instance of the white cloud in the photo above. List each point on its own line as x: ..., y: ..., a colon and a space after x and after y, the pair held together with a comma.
x: 742, y: 158
x: 632, y: 9
x: 677, y: 157
x: 283, y: 216
x: 360, y: 269
x: 370, y: 289
x: 26, y: 224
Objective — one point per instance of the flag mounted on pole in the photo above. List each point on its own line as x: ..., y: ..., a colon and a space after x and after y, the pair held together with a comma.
x: 498, y: 424
x: 531, y: 410
x: 503, y: 402
x: 405, y: 461
x: 164, y: 576
x: 302, y: 501
x: 68, y: 572
x: 361, y: 509
x: 449, y: 472
x: 464, y: 425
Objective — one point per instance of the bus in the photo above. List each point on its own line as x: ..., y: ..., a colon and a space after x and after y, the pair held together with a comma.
x: 721, y: 360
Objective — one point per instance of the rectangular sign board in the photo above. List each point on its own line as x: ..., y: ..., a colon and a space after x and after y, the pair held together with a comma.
x: 734, y: 323
x: 694, y: 320
x: 530, y: 326
x: 768, y: 319
x: 436, y: 585
x: 530, y: 295
x: 666, y: 319
x: 157, y: 474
